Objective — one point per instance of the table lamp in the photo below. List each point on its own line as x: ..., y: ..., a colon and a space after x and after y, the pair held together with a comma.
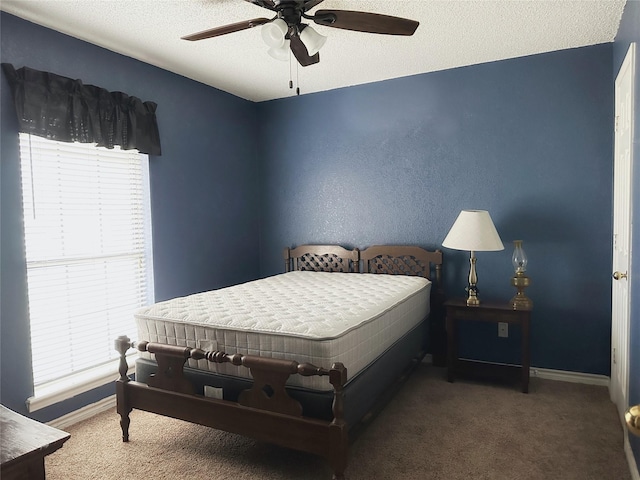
x: 473, y: 231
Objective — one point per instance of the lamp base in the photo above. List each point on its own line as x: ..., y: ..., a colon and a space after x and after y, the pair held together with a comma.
x: 472, y: 299
x: 520, y: 301
x: 473, y: 302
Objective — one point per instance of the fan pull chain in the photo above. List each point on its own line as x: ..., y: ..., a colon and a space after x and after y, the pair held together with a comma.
x: 291, y: 77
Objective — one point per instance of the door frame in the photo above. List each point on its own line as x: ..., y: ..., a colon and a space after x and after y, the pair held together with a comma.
x: 620, y: 331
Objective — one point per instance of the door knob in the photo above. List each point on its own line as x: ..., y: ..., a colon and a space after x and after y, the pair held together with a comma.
x: 618, y: 275
x: 632, y: 417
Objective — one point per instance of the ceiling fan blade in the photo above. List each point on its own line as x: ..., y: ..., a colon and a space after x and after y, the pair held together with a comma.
x: 309, y: 4
x: 301, y: 53
x: 269, y: 4
x: 231, y: 28
x: 366, y: 22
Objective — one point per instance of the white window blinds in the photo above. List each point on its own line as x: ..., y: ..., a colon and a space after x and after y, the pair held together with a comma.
x: 88, y: 251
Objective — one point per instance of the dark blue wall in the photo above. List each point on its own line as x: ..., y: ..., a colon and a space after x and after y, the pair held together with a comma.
x: 628, y: 32
x: 203, y: 187
x: 528, y: 139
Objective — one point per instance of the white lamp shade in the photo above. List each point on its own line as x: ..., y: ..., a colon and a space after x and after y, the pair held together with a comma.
x: 280, y: 53
x: 473, y: 230
x: 312, y: 40
x: 273, y: 32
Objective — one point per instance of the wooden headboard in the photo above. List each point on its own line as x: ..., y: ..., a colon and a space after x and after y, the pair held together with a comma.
x: 322, y: 258
x: 402, y: 260
x: 387, y: 259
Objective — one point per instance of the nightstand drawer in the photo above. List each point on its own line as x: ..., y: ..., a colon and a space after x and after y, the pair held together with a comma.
x: 473, y: 313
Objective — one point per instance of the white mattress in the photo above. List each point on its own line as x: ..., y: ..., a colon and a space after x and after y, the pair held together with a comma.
x: 315, y: 317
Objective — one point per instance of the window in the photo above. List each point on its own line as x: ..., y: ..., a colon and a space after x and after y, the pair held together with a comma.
x: 88, y: 253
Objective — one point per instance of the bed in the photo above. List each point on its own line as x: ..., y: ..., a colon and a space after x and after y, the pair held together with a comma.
x: 300, y: 359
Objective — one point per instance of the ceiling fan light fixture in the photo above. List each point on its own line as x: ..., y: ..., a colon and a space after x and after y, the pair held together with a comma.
x: 273, y: 33
x: 312, y: 40
x: 304, y: 42
x: 280, y: 53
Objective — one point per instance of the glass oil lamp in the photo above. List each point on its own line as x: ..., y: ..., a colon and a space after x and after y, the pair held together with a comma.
x: 520, y: 280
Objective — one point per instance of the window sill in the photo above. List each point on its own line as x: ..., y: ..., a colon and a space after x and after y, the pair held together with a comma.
x: 63, y: 389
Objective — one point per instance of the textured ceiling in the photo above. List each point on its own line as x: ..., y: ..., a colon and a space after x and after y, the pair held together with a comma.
x: 452, y: 33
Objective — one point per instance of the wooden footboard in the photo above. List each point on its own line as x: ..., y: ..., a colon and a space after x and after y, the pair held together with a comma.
x: 265, y: 412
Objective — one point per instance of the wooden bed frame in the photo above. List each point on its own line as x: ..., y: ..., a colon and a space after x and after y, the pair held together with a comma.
x: 266, y: 412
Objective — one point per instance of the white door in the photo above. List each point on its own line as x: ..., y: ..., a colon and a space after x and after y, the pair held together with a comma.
x: 619, y: 388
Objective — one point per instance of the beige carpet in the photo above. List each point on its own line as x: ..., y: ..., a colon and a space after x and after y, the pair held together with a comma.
x: 430, y: 430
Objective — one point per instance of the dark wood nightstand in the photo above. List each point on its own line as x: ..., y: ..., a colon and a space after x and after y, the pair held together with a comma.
x: 25, y: 443
x: 457, y: 309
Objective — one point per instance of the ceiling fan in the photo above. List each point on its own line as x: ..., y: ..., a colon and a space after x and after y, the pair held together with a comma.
x: 286, y: 30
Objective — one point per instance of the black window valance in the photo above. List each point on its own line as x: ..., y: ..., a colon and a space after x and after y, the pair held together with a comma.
x: 66, y: 110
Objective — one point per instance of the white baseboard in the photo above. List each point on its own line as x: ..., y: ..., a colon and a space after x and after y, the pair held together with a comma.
x: 83, y: 413
x: 560, y: 375
x: 573, y: 377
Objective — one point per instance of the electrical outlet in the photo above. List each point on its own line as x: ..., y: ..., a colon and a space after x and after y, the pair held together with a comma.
x: 503, y: 329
